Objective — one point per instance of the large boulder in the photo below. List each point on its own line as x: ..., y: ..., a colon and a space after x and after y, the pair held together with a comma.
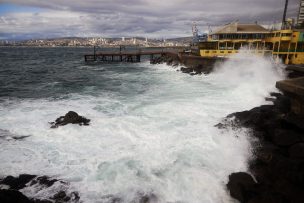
x: 17, y: 183
x: 285, y: 137
x: 297, y: 151
x: 241, y: 186
x: 13, y: 196
x: 70, y: 118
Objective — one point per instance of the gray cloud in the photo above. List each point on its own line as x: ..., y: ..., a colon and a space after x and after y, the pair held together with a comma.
x: 152, y: 18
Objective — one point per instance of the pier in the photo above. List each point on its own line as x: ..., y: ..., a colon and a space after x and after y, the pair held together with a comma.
x: 124, y: 55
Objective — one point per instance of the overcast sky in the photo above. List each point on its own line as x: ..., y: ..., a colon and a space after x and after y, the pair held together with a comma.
x: 24, y: 19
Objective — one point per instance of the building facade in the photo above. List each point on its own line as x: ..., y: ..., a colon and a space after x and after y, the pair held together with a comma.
x: 301, y: 13
x: 287, y: 44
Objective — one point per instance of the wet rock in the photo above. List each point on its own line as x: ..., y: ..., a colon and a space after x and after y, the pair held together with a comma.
x: 44, y: 180
x: 151, y: 198
x: 285, y: 137
x: 220, y: 126
x: 13, y: 196
x: 186, y: 70
x: 241, y: 186
x: 70, y: 118
x: 278, y: 165
x: 297, y: 151
x: 42, y: 201
x: 267, y: 198
x: 294, y: 121
x: 17, y: 183
x: 61, y: 197
x: 175, y: 63
x: 40, y: 183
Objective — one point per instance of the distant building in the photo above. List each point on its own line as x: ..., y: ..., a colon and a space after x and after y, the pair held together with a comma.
x: 240, y: 31
x: 286, y: 44
x: 301, y: 13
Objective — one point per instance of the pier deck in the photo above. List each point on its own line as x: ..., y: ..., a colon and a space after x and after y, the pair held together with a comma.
x: 121, y: 56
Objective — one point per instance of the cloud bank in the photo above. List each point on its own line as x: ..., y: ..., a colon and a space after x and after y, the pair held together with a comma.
x: 117, y: 18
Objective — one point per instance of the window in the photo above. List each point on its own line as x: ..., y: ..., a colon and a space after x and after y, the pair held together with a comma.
x: 208, y: 45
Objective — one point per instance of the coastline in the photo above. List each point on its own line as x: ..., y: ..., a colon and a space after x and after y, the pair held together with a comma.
x: 255, y: 119
x: 193, y: 65
x: 276, y: 173
x: 278, y: 166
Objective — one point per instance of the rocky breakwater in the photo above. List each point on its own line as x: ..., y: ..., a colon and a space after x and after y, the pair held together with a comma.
x: 45, y: 189
x: 277, y: 169
x: 190, y: 64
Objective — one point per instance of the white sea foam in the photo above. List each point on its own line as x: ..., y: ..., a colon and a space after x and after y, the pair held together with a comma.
x: 160, y: 141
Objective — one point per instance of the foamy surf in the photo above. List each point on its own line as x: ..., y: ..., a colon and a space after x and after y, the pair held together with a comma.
x: 152, y: 132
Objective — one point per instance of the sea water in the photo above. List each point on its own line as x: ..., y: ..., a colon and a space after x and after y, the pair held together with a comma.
x: 152, y: 127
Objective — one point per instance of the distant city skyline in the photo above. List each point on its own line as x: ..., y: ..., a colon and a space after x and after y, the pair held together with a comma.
x: 34, y: 19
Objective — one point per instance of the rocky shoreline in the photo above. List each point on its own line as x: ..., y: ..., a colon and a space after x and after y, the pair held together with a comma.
x: 12, y: 189
x: 277, y: 170
x: 193, y: 65
x: 278, y: 166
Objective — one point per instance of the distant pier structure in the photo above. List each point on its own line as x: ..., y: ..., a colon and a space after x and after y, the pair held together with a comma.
x: 122, y: 55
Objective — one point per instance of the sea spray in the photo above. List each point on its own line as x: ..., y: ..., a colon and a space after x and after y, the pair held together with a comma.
x: 249, y: 76
x: 152, y: 132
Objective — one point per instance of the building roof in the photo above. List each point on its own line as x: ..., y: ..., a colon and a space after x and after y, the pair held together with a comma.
x: 236, y: 28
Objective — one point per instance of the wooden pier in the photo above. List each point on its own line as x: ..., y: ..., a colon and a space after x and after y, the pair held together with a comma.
x: 131, y: 56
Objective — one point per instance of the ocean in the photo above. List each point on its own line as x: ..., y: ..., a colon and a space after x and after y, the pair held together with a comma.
x: 152, y: 127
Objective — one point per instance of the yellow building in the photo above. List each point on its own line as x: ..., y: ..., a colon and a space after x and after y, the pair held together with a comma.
x: 287, y: 44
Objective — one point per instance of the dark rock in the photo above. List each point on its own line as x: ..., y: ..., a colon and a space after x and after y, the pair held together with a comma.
x: 75, y: 196
x: 18, y: 182
x: 270, y: 99
x: 267, y: 198
x: 295, y: 121
x: 169, y: 61
x: 44, y: 180
x: 255, y: 118
x: 20, y: 137
x: 291, y: 170
x: 220, y: 126
x: 241, y: 186
x: 290, y: 190
x: 275, y: 94
x: 297, y: 151
x: 13, y: 196
x: 278, y: 164
x: 61, y: 197
x: 70, y: 118
x: 175, y: 63
x: 148, y: 199
x: 285, y: 137
x: 41, y: 201
x: 186, y: 70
